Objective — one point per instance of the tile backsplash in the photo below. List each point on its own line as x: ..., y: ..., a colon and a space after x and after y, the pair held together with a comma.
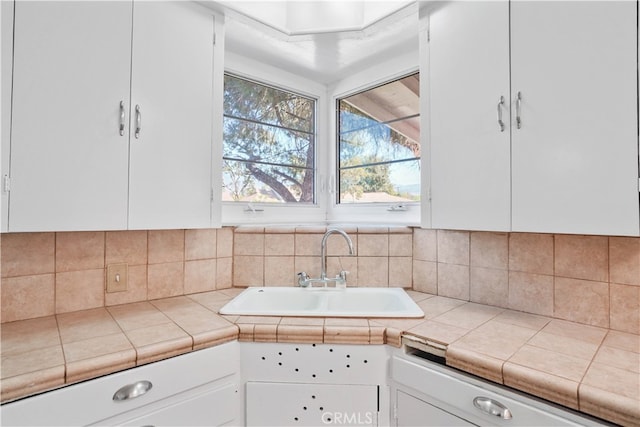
x: 593, y: 280
x: 53, y: 273
x: 274, y: 256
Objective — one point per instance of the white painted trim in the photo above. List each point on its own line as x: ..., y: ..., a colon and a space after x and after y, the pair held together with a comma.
x: 384, y: 72
x: 6, y: 15
x: 425, y: 121
x: 234, y: 213
x: 249, y: 68
x: 391, y: 69
x: 217, y: 110
x: 325, y: 210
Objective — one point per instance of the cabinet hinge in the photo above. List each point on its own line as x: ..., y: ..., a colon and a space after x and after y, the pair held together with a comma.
x: 214, y: 38
x: 211, y: 195
x: 6, y: 183
x: 395, y: 411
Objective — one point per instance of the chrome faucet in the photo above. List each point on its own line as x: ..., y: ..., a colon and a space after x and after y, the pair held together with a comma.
x: 304, y: 280
x: 323, y: 249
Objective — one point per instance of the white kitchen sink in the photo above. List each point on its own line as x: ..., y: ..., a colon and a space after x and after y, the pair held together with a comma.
x: 323, y: 302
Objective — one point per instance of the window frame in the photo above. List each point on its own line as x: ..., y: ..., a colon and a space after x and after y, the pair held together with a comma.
x: 310, y: 133
x: 373, y: 213
x: 326, y: 210
x: 240, y: 213
x: 339, y: 138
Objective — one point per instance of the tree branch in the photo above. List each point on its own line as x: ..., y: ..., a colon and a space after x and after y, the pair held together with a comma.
x: 276, y: 185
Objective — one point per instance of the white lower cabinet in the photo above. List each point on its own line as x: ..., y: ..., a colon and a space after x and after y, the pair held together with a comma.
x: 411, y: 411
x: 428, y: 394
x: 289, y: 404
x: 315, y: 384
x: 215, y: 407
x: 199, y: 388
x: 270, y: 384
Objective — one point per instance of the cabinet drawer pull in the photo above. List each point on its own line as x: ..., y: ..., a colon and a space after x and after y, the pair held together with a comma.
x: 519, y: 110
x: 500, y: 122
x: 122, y: 117
x: 492, y: 407
x: 138, y: 121
x: 131, y: 391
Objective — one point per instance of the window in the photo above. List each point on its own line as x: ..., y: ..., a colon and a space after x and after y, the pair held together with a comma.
x: 269, y: 144
x: 379, y: 144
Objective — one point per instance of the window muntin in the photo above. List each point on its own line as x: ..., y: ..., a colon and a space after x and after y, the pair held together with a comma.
x: 269, y: 144
x: 379, y: 144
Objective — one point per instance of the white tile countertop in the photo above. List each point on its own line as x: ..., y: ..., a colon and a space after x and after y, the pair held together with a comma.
x: 590, y: 369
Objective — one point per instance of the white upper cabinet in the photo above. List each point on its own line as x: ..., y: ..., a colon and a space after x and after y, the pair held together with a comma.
x: 75, y: 160
x: 172, y: 77
x: 71, y: 70
x: 572, y: 165
x: 468, y: 74
x: 575, y: 156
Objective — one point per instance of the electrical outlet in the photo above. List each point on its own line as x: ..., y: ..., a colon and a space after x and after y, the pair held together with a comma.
x: 117, y: 277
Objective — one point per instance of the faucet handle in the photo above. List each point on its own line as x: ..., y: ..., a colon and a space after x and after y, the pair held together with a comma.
x: 303, y: 279
x: 341, y: 279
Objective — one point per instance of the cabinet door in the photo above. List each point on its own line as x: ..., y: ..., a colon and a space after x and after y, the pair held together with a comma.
x: 412, y: 411
x: 470, y: 154
x: 68, y: 159
x: 575, y: 158
x: 299, y: 404
x: 172, y: 74
x: 188, y: 379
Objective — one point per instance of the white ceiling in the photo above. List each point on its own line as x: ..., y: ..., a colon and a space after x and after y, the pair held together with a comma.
x: 299, y: 40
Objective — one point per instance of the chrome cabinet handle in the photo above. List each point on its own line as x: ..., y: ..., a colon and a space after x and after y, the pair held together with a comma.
x: 500, y: 122
x: 519, y: 110
x: 138, y: 121
x: 122, y: 118
x: 492, y: 407
x: 131, y: 391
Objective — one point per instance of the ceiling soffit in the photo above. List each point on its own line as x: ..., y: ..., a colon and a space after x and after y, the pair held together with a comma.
x: 324, y: 56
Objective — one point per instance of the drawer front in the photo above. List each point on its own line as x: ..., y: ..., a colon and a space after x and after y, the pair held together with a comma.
x: 91, y: 401
x: 457, y: 396
x: 412, y: 411
x: 212, y: 408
